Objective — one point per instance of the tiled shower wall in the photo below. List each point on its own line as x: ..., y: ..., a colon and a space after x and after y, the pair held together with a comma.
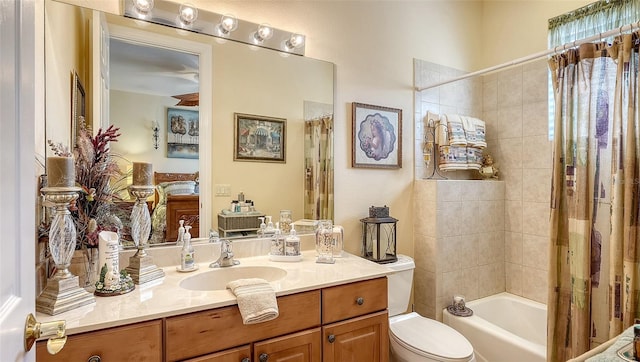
x: 513, y: 103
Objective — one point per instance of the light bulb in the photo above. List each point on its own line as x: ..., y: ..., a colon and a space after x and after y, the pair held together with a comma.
x: 263, y: 33
x: 295, y: 41
x: 228, y: 23
x: 188, y: 13
x: 142, y: 7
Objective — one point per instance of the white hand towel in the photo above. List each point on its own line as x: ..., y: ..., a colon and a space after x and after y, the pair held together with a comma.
x: 456, y: 130
x: 256, y: 300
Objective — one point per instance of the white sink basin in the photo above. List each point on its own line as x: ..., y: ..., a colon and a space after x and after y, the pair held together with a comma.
x: 217, y: 279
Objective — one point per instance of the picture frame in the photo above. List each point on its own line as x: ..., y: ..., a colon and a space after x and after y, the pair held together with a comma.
x: 376, y: 137
x: 78, y: 107
x: 259, y: 138
x: 183, y: 131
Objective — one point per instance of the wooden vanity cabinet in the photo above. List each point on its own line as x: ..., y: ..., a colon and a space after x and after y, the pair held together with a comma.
x: 134, y: 342
x: 300, y: 347
x: 355, y: 322
x: 238, y: 354
x: 215, y: 330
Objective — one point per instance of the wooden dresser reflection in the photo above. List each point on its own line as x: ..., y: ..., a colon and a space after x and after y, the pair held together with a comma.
x: 182, y: 207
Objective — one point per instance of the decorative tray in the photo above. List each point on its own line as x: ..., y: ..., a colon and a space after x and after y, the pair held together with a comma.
x: 626, y: 352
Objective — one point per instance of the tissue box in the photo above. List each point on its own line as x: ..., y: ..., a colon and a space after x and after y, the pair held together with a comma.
x: 238, y: 223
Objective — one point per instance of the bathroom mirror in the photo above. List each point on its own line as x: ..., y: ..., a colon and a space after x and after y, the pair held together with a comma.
x: 243, y: 79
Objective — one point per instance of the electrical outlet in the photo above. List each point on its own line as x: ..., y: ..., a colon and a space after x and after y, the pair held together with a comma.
x: 223, y: 190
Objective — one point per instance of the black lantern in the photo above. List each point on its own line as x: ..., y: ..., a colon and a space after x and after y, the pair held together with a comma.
x: 379, y: 236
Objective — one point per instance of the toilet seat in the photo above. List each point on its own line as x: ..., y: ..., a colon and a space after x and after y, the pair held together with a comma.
x: 430, y: 338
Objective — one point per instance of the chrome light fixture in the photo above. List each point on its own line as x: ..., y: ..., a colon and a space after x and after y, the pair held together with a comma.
x: 263, y: 33
x: 187, y: 14
x: 228, y: 23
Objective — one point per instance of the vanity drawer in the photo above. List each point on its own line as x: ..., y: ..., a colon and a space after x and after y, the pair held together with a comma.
x: 218, y: 329
x: 355, y: 299
x: 135, y: 342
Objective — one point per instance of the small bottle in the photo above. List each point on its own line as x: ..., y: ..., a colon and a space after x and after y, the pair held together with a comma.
x: 180, y: 240
x: 636, y: 342
x: 292, y: 243
x: 277, y: 243
x: 263, y: 227
x: 187, y: 256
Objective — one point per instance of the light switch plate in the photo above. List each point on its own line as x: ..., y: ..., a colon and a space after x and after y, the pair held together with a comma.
x: 223, y: 190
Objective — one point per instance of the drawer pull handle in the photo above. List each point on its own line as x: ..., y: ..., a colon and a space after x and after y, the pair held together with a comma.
x: 94, y: 359
x: 332, y: 338
x: 264, y: 357
x: 246, y: 359
x: 360, y: 301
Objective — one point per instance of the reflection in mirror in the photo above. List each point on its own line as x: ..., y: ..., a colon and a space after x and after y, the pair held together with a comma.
x: 241, y: 79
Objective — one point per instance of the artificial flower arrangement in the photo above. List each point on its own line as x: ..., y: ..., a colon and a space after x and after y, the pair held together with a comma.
x: 100, y: 178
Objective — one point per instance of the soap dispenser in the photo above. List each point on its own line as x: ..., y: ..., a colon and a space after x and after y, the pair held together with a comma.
x: 263, y: 227
x: 292, y: 243
x: 180, y: 239
x: 277, y: 243
x: 187, y: 256
x: 270, y: 229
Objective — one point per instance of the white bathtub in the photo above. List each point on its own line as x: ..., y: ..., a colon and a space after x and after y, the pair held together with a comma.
x: 504, y: 327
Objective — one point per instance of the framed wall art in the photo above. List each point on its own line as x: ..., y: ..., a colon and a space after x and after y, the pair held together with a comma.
x: 183, y: 130
x: 259, y: 138
x: 377, y: 136
x: 78, y: 107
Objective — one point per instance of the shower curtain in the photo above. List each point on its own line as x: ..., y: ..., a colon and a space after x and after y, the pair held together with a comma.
x: 319, y: 168
x: 593, y: 273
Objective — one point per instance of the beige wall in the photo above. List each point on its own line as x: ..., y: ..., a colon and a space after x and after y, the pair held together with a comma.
x: 373, y: 45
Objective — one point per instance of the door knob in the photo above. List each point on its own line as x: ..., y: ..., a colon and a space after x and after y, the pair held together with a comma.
x: 34, y: 330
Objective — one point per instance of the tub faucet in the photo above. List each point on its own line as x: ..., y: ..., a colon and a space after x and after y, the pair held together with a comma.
x: 226, y: 256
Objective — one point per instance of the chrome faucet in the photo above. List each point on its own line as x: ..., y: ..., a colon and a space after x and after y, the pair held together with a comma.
x: 226, y: 256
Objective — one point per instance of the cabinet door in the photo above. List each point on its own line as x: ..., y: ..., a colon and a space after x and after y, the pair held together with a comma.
x: 135, y: 342
x: 297, y: 347
x: 238, y: 354
x: 359, y: 339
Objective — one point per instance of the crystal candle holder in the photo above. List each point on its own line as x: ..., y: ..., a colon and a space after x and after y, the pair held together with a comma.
x: 63, y: 292
x: 141, y: 267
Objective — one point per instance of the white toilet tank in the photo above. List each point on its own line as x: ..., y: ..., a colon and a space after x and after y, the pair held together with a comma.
x: 399, y: 284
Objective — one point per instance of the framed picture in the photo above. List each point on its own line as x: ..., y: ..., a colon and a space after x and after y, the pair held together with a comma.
x: 78, y: 107
x: 377, y: 136
x: 183, y: 130
x: 259, y: 138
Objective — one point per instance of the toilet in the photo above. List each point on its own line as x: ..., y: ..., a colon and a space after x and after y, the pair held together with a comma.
x: 412, y: 337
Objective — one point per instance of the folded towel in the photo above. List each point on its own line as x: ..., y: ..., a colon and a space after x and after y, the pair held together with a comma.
x: 256, y: 300
x: 456, y: 130
x: 469, y: 126
x: 442, y: 131
x: 480, y: 138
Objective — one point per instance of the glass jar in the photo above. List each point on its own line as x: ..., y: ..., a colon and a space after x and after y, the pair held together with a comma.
x: 324, y: 242
x: 285, y: 221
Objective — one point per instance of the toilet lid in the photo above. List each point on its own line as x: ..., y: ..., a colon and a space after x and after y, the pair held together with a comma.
x: 431, y: 337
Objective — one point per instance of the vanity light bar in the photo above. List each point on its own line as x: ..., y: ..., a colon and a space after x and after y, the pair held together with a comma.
x: 167, y: 13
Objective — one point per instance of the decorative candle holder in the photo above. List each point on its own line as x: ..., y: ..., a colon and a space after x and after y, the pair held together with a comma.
x: 141, y: 267
x: 63, y: 292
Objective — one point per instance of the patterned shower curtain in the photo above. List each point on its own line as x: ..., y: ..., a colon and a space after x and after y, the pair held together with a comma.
x: 593, y: 273
x: 318, y: 191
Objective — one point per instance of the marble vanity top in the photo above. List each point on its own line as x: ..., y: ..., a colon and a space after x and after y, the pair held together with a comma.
x: 164, y: 297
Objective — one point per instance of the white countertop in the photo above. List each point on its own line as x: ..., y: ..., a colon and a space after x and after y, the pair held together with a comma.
x: 164, y: 297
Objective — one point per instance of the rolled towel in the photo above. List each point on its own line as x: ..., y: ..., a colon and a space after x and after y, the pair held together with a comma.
x: 441, y: 131
x: 256, y: 300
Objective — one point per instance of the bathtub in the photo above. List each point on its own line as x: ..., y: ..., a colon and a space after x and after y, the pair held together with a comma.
x: 504, y: 327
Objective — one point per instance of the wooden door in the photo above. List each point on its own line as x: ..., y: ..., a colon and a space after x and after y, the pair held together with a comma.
x: 238, y: 354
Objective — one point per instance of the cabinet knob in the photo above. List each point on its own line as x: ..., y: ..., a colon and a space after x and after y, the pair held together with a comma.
x: 263, y: 357
x: 94, y: 359
x: 246, y: 359
x: 360, y: 301
x: 332, y: 338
